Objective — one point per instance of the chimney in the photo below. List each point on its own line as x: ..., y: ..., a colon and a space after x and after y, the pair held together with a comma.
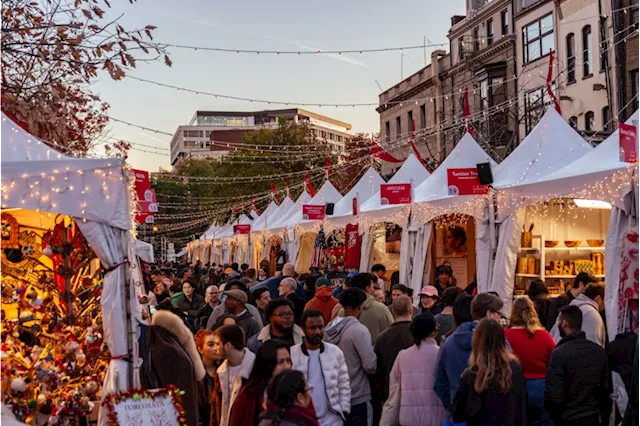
x: 456, y: 18
x: 435, y: 63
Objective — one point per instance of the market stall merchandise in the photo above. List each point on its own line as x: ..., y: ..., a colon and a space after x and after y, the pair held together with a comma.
x: 287, y: 240
x: 451, y: 227
x: 566, y: 205
x: 69, y: 199
x: 377, y: 221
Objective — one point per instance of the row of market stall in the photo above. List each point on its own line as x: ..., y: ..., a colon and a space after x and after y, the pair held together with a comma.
x: 557, y: 206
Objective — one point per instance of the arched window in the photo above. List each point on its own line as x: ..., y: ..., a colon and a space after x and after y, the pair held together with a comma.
x: 571, y: 58
x: 587, y: 50
x: 589, y: 121
x: 573, y: 122
x: 606, y: 118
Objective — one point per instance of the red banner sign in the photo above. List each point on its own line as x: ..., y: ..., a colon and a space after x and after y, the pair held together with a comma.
x: 395, y: 193
x: 241, y: 229
x: 313, y: 212
x: 354, y: 206
x: 465, y: 182
x: 143, y: 185
x: 628, y: 147
x: 352, y: 247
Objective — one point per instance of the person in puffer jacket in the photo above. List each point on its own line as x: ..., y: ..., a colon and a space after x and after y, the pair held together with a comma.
x: 412, y: 377
x: 354, y: 339
x: 325, y: 369
x: 591, y: 303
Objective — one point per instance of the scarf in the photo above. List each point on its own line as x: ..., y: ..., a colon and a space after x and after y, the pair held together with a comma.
x: 303, y: 415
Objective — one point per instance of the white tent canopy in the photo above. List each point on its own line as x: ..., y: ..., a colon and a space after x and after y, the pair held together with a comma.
x: 78, y: 187
x: 267, y: 218
x: 326, y: 194
x: 373, y: 211
x: 304, y: 198
x: 96, y: 193
x: 145, y: 251
x: 270, y: 210
x: 367, y: 186
x: 432, y: 197
x: 551, y: 145
x: 583, y: 178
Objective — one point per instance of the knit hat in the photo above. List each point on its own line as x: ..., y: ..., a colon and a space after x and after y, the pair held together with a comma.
x: 228, y: 271
x: 323, y: 281
x: 237, y: 294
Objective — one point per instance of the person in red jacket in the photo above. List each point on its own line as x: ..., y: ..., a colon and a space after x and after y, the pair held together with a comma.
x: 323, y: 299
x: 533, y: 345
x: 272, y: 358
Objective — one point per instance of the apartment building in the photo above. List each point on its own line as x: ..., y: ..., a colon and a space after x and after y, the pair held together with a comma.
x: 482, y: 62
x: 582, y: 77
x: 209, y: 132
x: 623, y: 33
x: 414, y: 100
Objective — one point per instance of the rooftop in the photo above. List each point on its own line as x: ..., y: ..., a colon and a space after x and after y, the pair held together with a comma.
x: 274, y: 112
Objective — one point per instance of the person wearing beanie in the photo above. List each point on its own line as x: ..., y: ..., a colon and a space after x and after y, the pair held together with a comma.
x: 323, y: 299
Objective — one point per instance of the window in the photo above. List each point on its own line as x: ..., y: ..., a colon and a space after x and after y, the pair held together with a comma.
x: 323, y: 135
x: 461, y: 48
x: 489, y: 31
x: 331, y: 136
x: 606, y: 118
x: 207, y: 133
x: 409, y: 121
x: 633, y: 11
x: 587, y: 62
x: 398, y: 127
x: 192, y: 133
x: 476, y: 39
x: 571, y: 58
x: 537, y: 38
x: 338, y: 138
x: 504, y: 22
x: 535, y: 102
x: 604, y: 52
x: 423, y: 116
x: 589, y: 121
x: 484, y: 95
x: 573, y: 122
x: 387, y: 131
x: 633, y: 76
x: 192, y: 144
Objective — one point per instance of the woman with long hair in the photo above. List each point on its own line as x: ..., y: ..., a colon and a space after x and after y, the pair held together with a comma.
x: 532, y: 344
x: 272, y: 358
x: 412, y: 400
x: 492, y: 391
x: 204, y: 344
x: 289, y: 401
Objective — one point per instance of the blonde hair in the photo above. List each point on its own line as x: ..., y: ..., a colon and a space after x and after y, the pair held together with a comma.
x: 524, y: 314
x: 490, y: 360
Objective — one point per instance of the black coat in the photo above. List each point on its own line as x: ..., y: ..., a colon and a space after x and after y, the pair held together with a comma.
x: 557, y: 304
x: 578, y: 384
x: 298, y: 307
x: 491, y: 408
x: 191, y: 307
x: 389, y: 344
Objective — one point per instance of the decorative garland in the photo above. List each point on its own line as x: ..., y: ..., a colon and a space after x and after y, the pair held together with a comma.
x: 139, y: 394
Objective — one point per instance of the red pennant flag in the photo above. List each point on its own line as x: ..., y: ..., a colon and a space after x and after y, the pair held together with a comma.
x: 415, y: 148
x: 549, y: 76
x: 274, y: 193
x: 379, y: 152
x: 253, y: 204
x: 467, y: 111
x: 307, y: 181
x: 327, y: 165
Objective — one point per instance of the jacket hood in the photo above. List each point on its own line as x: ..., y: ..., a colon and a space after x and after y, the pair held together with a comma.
x: 583, y: 300
x: 324, y: 294
x: 369, y: 302
x: 462, y: 335
x: 174, y: 324
x: 336, y: 328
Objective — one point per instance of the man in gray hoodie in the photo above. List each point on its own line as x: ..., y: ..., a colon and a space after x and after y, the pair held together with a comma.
x: 354, y: 340
x: 591, y: 303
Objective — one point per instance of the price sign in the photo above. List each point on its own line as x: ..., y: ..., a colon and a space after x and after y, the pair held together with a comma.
x: 241, y: 229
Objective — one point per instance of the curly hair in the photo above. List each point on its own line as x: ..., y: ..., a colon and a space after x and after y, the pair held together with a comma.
x: 283, y: 391
x: 201, y: 335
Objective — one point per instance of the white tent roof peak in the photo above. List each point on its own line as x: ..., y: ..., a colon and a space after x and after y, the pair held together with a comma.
x: 551, y: 145
x: 466, y: 154
x: 326, y: 194
x: 304, y: 198
x: 269, y: 218
x: 367, y: 186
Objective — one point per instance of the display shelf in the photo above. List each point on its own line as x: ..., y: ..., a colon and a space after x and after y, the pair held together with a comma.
x: 528, y: 275
x: 574, y: 248
x: 529, y: 249
x: 569, y: 276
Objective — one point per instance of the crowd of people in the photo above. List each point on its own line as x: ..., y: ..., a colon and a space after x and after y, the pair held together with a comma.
x: 295, y: 349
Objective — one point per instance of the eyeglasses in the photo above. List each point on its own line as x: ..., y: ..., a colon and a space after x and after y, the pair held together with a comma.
x: 284, y: 314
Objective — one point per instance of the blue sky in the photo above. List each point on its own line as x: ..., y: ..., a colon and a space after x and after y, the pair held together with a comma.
x: 331, y: 24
